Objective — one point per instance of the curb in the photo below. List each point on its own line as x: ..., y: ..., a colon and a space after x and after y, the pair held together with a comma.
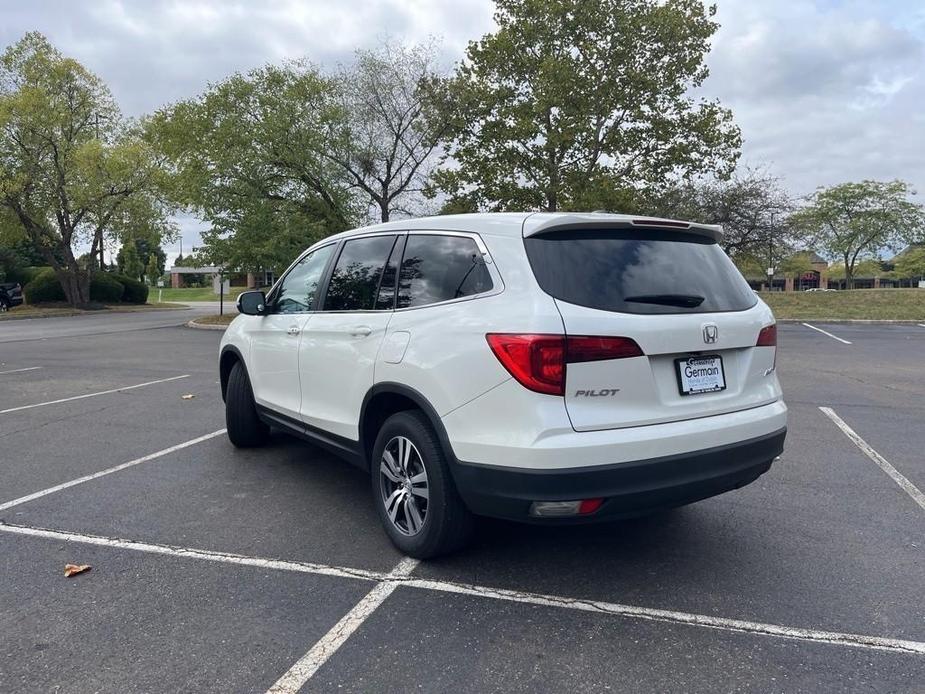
x: 205, y: 326
x: 851, y: 320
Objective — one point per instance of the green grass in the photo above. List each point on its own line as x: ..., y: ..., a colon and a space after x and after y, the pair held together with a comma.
x: 168, y: 294
x: 856, y: 304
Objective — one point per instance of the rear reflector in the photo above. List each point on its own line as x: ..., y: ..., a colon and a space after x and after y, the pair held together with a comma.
x: 538, y: 361
x: 767, y: 337
x: 558, y: 509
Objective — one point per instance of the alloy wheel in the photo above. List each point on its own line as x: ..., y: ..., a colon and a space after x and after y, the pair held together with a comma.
x: 403, y: 485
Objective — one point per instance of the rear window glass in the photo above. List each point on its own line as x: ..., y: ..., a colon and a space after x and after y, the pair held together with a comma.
x: 635, y: 271
x: 440, y: 268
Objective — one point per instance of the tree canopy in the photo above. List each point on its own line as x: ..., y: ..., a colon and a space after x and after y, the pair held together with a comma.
x: 389, y: 146
x: 72, y: 172
x: 250, y: 156
x: 572, y: 105
x: 854, y: 221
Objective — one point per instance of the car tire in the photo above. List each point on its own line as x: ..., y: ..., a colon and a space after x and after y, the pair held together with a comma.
x: 245, y: 428
x: 446, y: 524
x: 4, y: 304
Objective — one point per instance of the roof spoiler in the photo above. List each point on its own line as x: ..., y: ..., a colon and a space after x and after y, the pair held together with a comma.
x: 540, y: 223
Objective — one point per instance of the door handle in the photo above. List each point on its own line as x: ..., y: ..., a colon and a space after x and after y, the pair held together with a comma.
x: 360, y: 330
x: 293, y: 330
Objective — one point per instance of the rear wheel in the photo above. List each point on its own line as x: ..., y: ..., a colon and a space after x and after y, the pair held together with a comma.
x: 245, y: 428
x: 4, y: 304
x: 413, y: 490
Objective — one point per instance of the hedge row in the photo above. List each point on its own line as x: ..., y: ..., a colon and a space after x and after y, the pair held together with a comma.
x: 105, y: 287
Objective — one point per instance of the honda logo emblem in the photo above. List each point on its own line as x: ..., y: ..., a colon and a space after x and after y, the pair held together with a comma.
x: 710, y: 334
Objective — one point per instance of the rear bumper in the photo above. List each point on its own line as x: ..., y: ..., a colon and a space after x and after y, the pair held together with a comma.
x: 629, y: 488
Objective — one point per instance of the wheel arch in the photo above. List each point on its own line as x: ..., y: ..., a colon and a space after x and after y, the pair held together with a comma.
x: 385, y: 399
x: 230, y: 356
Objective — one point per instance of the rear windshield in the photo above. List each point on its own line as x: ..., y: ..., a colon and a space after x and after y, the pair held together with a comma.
x: 636, y: 271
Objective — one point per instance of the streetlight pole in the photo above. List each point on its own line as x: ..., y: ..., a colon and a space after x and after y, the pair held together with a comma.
x: 97, y: 119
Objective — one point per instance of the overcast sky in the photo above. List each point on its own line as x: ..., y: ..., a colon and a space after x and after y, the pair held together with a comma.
x: 825, y: 91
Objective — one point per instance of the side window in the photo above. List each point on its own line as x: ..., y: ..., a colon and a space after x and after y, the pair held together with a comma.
x: 299, y: 288
x: 439, y: 268
x: 355, y: 281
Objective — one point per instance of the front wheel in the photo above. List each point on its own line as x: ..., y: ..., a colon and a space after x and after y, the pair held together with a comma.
x: 4, y: 304
x: 245, y: 428
x: 413, y: 490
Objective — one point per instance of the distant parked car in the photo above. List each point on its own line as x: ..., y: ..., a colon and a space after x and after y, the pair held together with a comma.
x: 10, y: 295
x: 818, y: 289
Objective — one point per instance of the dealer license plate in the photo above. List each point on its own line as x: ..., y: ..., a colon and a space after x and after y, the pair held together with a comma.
x: 700, y: 374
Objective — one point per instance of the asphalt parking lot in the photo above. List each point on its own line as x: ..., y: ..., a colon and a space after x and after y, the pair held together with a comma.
x: 221, y: 570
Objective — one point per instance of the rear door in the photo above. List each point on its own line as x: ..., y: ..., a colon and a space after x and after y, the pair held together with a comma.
x: 680, y: 298
x: 338, y: 351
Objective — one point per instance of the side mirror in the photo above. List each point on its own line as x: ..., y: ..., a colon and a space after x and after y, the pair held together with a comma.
x: 252, y: 303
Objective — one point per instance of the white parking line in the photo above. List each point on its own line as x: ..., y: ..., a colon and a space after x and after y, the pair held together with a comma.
x: 907, y: 486
x: 168, y: 550
x: 92, y: 395
x: 19, y: 371
x: 824, y: 332
x: 328, y: 644
x: 921, y: 325
x: 108, y: 471
x: 671, y: 616
x: 398, y: 576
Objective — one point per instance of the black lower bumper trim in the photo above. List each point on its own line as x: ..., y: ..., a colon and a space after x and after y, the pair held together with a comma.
x: 629, y: 489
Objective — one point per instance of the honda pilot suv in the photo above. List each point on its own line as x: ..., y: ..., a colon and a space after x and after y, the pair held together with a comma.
x: 549, y: 368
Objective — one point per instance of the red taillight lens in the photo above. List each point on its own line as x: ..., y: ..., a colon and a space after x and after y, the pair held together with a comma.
x: 538, y: 361
x: 767, y: 337
x: 584, y: 348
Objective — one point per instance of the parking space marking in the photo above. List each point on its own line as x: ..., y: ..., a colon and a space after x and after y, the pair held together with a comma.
x: 109, y: 471
x: 825, y: 332
x: 19, y: 371
x: 93, y: 395
x: 907, y: 486
x: 671, y: 616
x: 400, y: 576
x: 327, y: 645
x: 921, y: 325
x: 189, y: 553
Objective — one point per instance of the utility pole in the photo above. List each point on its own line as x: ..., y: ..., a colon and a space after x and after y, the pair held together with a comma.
x: 98, y: 117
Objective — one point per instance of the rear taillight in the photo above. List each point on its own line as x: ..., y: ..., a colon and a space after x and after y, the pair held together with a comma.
x: 538, y: 361
x: 767, y: 337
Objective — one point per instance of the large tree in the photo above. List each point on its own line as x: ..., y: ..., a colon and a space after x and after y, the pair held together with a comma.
x: 855, y: 221
x: 752, y: 206
x: 70, y: 167
x: 572, y: 104
x: 389, y: 147
x: 250, y: 157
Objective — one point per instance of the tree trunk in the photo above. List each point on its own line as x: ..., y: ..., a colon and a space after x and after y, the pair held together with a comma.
x: 76, y: 286
x: 849, y: 275
x: 383, y: 211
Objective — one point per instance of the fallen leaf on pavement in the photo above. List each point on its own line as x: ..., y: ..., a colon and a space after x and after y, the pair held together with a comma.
x: 188, y: 396
x: 74, y: 569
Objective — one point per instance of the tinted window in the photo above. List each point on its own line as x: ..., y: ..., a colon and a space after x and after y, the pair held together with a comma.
x: 299, y: 289
x: 638, y: 271
x: 439, y: 268
x: 355, y: 281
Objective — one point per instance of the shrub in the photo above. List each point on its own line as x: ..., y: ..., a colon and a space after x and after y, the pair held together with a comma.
x: 135, y: 292
x: 43, y: 287
x: 105, y: 288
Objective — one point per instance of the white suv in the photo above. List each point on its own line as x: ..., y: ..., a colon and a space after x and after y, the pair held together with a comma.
x: 535, y: 367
